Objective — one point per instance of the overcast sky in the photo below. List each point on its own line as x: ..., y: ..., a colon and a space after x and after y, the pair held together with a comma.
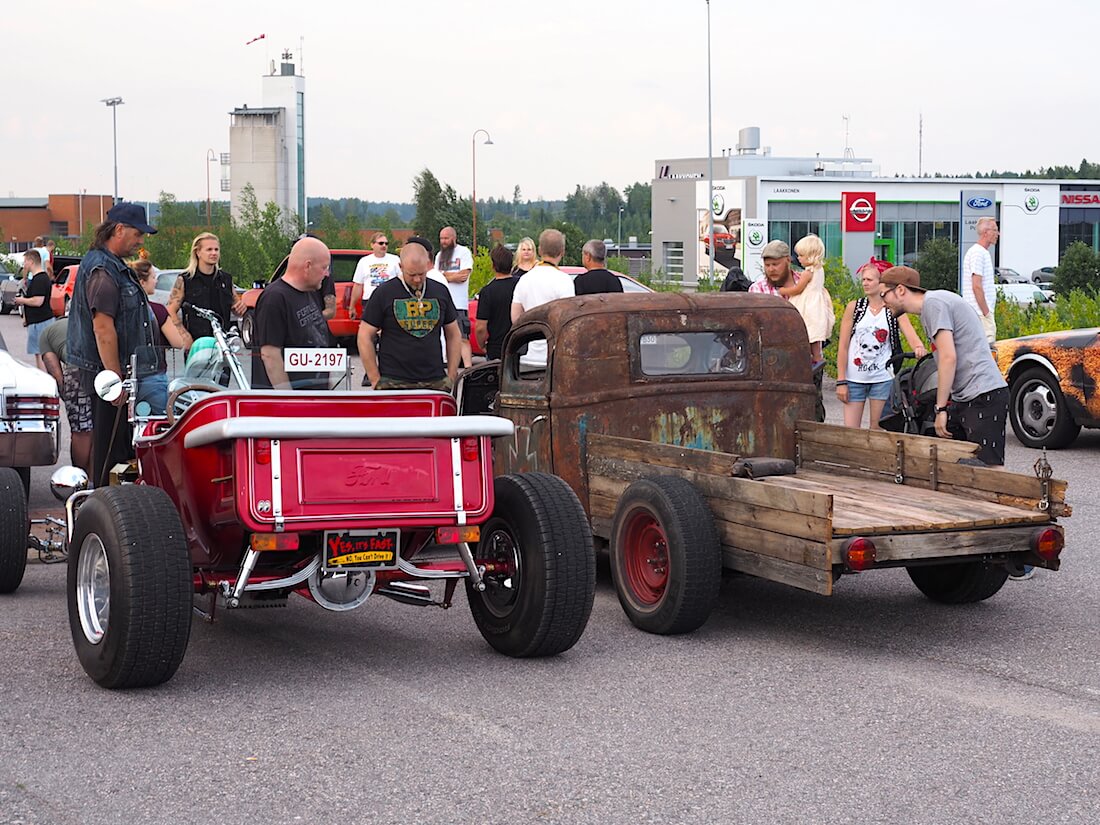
x: 572, y: 91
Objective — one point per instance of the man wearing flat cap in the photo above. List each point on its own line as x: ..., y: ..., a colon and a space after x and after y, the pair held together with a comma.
x: 777, y: 270
x: 109, y: 322
x: 972, y: 396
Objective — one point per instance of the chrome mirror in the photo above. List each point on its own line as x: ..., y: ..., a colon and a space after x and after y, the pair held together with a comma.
x: 108, y: 385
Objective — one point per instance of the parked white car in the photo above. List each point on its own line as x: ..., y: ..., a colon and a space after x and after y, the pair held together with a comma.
x: 1025, y: 294
x: 29, y: 414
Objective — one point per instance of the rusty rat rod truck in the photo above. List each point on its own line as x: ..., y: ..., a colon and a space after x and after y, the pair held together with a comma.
x: 684, y: 425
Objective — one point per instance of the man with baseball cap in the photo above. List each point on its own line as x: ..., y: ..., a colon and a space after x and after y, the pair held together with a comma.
x: 109, y: 323
x: 970, y: 386
x: 777, y: 270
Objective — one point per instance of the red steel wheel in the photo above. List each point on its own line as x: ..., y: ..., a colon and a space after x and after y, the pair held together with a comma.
x: 666, y: 560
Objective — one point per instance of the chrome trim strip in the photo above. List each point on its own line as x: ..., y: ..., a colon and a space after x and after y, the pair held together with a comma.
x: 277, y: 484
x: 446, y: 426
x: 456, y: 478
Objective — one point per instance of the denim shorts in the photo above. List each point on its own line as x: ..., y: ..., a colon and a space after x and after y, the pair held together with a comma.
x: 33, y: 332
x: 879, y: 391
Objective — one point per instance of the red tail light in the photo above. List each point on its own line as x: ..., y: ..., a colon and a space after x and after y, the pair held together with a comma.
x: 457, y: 535
x: 860, y: 554
x: 470, y: 448
x: 32, y: 406
x: 1048, y: 543
x: 263, y: 451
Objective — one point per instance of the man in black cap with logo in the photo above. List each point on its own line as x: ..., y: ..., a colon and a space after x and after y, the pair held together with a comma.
x: 972, y: 395
x: 109, y: 323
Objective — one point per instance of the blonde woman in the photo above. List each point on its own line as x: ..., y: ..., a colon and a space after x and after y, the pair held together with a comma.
x: 526, y: 258
x: 204, y: 284
x: 809, y: 295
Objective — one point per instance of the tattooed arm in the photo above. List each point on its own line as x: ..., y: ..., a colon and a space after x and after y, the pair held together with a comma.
x: 175, y: 302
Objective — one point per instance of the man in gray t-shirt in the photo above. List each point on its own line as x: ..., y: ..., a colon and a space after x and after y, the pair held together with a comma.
x: 970, y: 385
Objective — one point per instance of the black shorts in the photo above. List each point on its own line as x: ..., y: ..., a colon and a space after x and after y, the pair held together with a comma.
x: 981, y: 421
x: 463, y: 322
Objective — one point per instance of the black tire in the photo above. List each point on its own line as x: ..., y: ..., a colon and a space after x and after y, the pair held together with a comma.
x: 964, y: 583
x: 144, y: 572
x: 248, y: 327
x: 539, y: 594
x: 1038, y: 411
x: 24, y: 474
x: 14, y: 529
x: 666, y: 559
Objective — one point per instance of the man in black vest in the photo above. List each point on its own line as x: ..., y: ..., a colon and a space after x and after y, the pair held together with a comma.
x: 204, y: 285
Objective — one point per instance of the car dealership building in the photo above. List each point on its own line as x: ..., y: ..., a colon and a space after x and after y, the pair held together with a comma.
x: 856, y: 212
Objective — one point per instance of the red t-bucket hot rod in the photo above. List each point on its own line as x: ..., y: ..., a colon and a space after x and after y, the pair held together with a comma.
x: 240, y: 498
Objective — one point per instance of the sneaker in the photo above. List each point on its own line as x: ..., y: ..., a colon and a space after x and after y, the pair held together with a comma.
x: 1027, y: 573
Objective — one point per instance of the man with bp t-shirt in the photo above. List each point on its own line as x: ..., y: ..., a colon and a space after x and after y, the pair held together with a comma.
x: 410, y: 312
x: 289, y: 314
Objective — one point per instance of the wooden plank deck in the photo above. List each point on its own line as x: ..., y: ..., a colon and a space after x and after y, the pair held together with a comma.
x: 872, y: 507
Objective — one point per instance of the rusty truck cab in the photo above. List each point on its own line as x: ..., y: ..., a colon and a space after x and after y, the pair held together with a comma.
x: 724, y: 371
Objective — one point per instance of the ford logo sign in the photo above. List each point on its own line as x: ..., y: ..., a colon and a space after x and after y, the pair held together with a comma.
x: 979, y: 203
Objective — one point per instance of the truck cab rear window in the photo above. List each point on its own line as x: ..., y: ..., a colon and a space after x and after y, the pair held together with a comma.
x: 694, y: 353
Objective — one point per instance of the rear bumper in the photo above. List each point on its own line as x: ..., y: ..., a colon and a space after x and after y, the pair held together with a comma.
x: 28, y: 445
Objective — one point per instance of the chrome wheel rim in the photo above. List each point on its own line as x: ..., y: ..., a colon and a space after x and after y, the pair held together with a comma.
x: 1037, y: 409
x: 93, y: 589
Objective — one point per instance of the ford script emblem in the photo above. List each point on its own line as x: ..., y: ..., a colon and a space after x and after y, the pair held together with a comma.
x: 979, y: 203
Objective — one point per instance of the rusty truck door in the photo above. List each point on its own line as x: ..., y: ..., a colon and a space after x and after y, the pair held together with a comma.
x: 525, y: 399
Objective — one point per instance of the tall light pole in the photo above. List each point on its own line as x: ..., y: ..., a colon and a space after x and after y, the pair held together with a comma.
x: 473, y: 182
x: 710, y: 158
x: 114, y: 103
x: 210, y: 158
x: 619, y: 251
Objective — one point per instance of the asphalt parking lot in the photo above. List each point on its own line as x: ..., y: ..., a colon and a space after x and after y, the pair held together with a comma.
x: 873, y: 705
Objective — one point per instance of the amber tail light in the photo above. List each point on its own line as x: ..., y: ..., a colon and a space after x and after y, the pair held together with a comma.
x: 859, y: 554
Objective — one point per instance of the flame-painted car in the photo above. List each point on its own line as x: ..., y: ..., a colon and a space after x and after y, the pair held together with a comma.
x: 1053, y: 381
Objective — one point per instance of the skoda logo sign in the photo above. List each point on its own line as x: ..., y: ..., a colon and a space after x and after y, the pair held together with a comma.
x: 1031, y: 204
x: 718, y: 204
x: 755, y: 238
x: 861, y: 210
x: 979, y: 203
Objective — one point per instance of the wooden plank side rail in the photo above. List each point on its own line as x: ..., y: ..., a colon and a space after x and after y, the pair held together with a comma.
x: 929, y: 463
x: 776, y: 532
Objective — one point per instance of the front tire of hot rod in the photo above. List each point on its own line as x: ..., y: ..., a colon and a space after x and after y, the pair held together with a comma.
x: 540, y: 578
x: 666, y: 559
x: 129, y: 587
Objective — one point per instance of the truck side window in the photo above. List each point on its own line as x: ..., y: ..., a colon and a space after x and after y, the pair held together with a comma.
x: 694, y: 353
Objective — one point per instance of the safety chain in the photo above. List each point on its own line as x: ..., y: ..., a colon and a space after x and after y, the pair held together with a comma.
x: 1043, y: 472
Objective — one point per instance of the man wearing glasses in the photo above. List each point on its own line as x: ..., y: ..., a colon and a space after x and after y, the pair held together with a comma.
x: 372, y: 271
x: 978, y: 284
x: 288, y: 314
x: 971, y: 396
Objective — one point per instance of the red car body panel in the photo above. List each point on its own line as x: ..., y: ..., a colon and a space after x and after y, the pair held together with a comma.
x: 333, y: 483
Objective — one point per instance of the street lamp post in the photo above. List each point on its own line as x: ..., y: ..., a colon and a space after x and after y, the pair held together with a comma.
x: 473, y: 177
x: 114, y: 103
x: 210, y: 158
x: 619, y: 250
x: 710, y: 157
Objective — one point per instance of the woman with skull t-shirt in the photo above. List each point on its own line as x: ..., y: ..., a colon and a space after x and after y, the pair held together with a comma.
x: 869, y: 336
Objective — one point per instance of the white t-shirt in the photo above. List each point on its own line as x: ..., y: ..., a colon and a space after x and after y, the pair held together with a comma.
x: 460, y: 259
x: 978, y: 260
x: 372, y: 271
x: 543, y: 284
x: 869, y: 349
x: 44, y: 253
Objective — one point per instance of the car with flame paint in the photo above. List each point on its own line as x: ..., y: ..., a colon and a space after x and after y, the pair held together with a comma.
x: 239, y: 498
x: 1052, y: 378
x: 685, y: 425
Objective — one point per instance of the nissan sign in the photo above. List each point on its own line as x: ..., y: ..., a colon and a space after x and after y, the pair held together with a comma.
x: 979, y: 203
x: 859, y: 211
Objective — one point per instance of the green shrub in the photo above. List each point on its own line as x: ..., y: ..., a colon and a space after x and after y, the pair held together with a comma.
x: 1078, y: 269
x: 938, y: 265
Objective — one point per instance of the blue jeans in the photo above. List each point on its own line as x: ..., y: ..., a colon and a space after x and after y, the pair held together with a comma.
x: 154, y: 391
